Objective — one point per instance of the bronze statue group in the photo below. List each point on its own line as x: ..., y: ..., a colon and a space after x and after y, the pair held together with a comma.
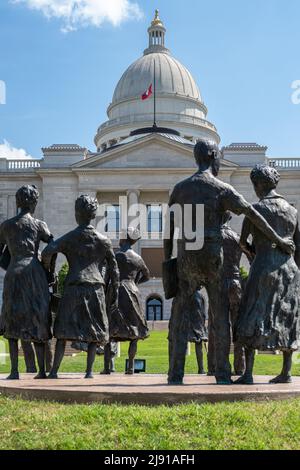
x: 101, y: 303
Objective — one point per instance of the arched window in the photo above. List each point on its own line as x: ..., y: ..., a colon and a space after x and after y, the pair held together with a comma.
x: 154, y: 309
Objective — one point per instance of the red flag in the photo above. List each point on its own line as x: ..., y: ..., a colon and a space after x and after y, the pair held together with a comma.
x: 147, y: 93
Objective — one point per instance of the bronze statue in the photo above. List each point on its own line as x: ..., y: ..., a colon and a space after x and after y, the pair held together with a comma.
x: 29, y: 357
x: 198, y: 328
x: 25, y: 312
x: 231, y: 294
x: 270, y: 311
x: 82, y: 312
x: 127, y: 321
x: 110, y: 352
x: 204, y: 267
x: 83, y: 347
x: 191, y: 320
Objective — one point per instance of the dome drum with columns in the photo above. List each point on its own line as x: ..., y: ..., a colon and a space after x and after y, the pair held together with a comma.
x: 179, y: 102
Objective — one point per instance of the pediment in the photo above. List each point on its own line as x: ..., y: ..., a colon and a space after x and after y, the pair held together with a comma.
x: 153, y: 151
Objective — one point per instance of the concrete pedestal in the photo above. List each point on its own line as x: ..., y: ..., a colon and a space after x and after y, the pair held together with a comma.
x: 143, y: 390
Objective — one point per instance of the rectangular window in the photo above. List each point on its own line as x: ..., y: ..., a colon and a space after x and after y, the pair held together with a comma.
x: 112, y: 216
x: 154, y: 214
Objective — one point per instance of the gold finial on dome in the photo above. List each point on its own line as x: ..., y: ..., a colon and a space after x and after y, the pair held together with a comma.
x: 157, y: 21
x: 157, y: 33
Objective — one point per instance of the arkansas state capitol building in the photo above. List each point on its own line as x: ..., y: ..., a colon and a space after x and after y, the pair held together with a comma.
x: 134, y: 162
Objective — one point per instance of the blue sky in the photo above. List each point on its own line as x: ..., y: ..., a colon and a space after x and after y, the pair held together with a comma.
x: 244, y: 56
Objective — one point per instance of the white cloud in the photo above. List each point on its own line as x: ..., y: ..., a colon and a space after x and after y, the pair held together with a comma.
x: 12, y: 153
x: 78, y: 13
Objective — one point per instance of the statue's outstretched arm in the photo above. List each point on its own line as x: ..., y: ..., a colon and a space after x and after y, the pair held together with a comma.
x: 113, y: 272
x: 49, y: 255
x: 246, y: 247
x: 145, y: 274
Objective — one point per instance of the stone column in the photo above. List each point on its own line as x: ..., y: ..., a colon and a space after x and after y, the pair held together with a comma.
x: 11, y: 206
x: 133, y: 196
x: 3, y: 208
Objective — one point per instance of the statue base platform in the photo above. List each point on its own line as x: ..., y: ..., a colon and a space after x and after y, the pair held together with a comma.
x: 143, y: 389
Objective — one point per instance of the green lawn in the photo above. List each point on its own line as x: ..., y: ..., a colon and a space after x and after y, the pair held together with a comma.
x: 38, y: 425
x: 155, y: 351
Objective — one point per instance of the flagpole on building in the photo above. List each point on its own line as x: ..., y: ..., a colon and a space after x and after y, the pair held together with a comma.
x: 154, y: 123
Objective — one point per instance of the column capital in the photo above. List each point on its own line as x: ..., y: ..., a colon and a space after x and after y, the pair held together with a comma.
x: 87, y: 192
x: 137, y: 192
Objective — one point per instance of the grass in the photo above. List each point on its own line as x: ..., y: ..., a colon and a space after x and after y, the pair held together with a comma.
x: 155, y: 351
x: 39, y: 425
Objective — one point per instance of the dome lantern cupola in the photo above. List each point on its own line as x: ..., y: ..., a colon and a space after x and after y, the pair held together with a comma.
x: 157, y: 33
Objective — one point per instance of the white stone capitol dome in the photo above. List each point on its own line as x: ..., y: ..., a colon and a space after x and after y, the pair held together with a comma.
x: 172, y: 78
x: 179, y: 105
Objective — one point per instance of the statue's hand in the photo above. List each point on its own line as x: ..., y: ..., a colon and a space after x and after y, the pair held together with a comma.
x: 52, y: 278
x: 287, y: 245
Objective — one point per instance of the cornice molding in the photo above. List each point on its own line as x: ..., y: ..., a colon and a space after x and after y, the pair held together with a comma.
x: 123, y: 150
x: 18, y: 175
x: 64, y: 148
x: 244, y: 147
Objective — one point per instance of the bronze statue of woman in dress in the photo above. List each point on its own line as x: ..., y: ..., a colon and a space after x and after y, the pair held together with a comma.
x: 82, y: 315
x: 25, y: 311
x: 270, y: 312
x: 127, y: 321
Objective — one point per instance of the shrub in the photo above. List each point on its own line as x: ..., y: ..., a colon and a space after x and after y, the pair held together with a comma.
x: 62, y: 277
x: 244, y: 273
